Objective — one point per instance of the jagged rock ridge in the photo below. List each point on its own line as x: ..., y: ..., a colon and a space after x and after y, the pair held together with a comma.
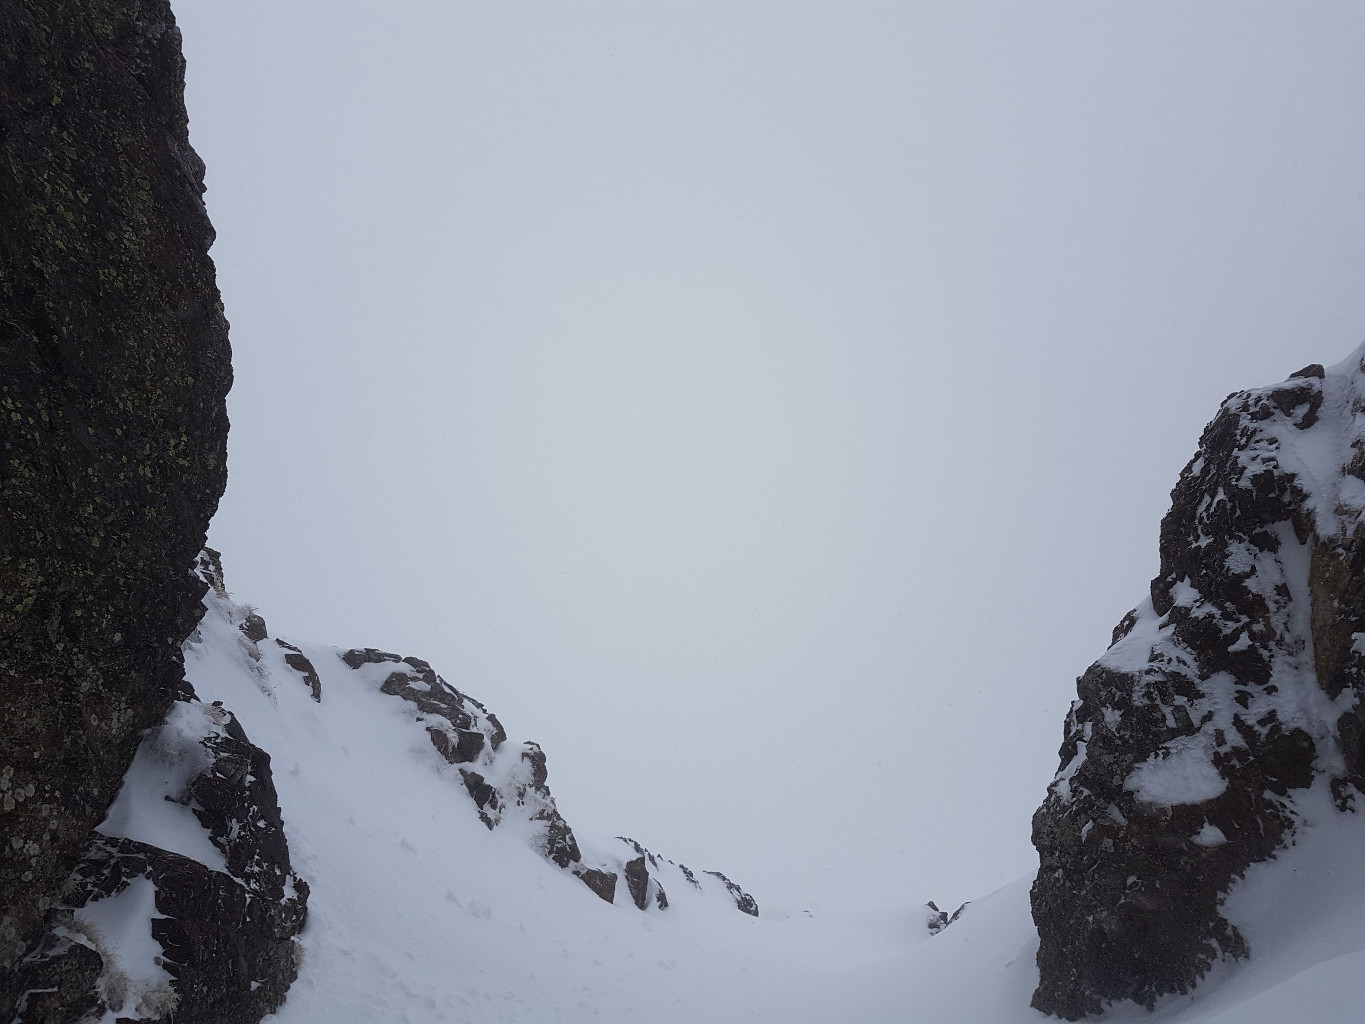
x: 192, y: 854
x: 1236, y: 685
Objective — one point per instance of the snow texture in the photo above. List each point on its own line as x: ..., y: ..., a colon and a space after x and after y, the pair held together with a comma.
x: 153, y: 805
x: 422, y: 914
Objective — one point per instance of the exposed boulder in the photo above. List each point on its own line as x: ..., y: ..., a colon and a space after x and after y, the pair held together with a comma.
x: 601, y: 883
x: 641, y: 881
x: 114, y: 366
x: 1228, y: 691
x: 936, y: 920
x: 300, y: 663
x: 637, y: 882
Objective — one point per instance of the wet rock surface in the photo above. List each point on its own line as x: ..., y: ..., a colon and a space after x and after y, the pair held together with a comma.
x: 1230, y: 689
x: 114, y: 365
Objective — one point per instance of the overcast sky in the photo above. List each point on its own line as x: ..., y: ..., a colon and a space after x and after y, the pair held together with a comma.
x: 768, y: 407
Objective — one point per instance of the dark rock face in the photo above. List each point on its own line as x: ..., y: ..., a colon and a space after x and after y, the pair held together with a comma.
x: 468, y: 736
x: 602, y: 883
x: 637, y: 881
x: 299, y: 662
x: 639, y: 877
x: 1226, y: 692
x: 458, y: 724
x: 234, y: 800
x: 58, y: 982
x: 228, y: 955
x: 114, y: 365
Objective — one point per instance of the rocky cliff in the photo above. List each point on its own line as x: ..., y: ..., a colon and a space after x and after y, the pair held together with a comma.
x: 114, y: 365
x: 1233, y: 688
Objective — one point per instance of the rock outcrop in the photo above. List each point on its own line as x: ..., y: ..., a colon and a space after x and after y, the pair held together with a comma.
x: 936, y: 920
x: 509, y: 784
x: 192, y: 862
x: 1236, y: 685
x: 114, y: 366
x: 193, y: 856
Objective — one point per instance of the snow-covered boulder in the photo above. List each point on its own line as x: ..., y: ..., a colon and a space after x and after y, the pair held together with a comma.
x: 1222, y: 698
x: 184, y: 905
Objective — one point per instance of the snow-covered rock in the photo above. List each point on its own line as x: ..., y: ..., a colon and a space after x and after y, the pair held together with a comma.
x: 184, y: 905
x: 506, y: 785
x: 185, y: 901
x: 1223, y: 697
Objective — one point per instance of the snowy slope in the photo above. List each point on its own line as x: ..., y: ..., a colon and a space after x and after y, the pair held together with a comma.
x: 421, y: 914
